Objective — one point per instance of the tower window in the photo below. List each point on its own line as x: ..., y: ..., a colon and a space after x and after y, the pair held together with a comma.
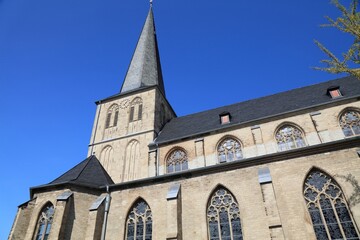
x: 112, y: 116
x: 136, y: 110
x: 132, y: 109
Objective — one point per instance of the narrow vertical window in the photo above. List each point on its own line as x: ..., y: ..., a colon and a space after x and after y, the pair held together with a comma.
x: 177, y: 161
x: 223, y: 216
x: 229, y: 150
x: 350, y: 123
x: 45, y: 222
x: 116, y: 117
x: 139, y: 222
x: 112, y: 116
x: 289, y: 137
x: 328, y: 209
x: 140, y: 112
x: 132, y: 109
x: 108, y: 120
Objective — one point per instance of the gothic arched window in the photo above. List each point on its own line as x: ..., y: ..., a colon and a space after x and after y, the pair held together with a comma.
x: 139, y: 222
x: 328, y: 208
x: 136, y: 108
x: 45, y: 222
x: 289, y: 137
x: 350, y: 123
x: 112, y: 116
x: 229, y: 150
x: 223, y: 216
x: 177, y: 161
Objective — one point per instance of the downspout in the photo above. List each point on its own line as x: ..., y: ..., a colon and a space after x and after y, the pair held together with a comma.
x: 157, y: 160
x: 107, y: 207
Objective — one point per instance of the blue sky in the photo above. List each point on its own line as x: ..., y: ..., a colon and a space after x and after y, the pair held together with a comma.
x: 58, y: 57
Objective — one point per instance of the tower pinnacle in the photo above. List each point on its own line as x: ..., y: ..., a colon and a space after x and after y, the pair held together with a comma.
x: 145, y: 68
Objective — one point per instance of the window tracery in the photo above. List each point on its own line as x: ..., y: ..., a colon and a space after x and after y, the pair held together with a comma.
x: 139, y: 222
x: 112, y: 116
x: 229, y: 150
x: 289, y: 137
x: 177, y: 161
x: 136, y: 109
x: 328, y: 208
x: 45, y: 222
x: 223, y: 216
x: 350, y: 123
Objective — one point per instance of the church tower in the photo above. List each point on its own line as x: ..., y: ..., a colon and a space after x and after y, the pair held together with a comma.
x: 126, y: 123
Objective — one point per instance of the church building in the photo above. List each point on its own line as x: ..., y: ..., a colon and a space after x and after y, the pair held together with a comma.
x: 284, y: 166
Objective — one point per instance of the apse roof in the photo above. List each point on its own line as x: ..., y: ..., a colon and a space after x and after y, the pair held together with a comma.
x: 256, y: 109
x: 88, y: 173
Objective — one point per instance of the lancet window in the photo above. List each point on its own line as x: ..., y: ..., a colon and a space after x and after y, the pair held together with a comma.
x: 177, y: 161
x: 45, y: 222
x: 136, y: 109
x: 112, y: 116
x: 139, y: 222
x: 223, y: 216
x: 350, y: 123
x: 229, y: 150
x: 329, y: 212
x: 289, y: 137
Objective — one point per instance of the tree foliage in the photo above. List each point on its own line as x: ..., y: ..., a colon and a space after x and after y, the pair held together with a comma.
x: 348, y: 22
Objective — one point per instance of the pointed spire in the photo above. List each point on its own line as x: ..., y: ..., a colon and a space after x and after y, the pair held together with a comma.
x: 145, y: 68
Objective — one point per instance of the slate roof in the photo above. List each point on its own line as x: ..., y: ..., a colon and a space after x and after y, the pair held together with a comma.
x: 145, y: 67
x: 256, y: 109
x: 87, y: 173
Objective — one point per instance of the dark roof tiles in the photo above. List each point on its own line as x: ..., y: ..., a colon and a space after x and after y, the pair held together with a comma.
x: 89, y: 172
x: 247, y: 111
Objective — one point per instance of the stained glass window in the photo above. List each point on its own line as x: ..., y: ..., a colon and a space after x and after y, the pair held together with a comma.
x: 289, y: 137
x: 223, y: 216
x: 328, y: 209
x: 139, y: 222
x: 350, y: 123
x: 177, y: 161
x: 45, y: 222
x: 229, y: 150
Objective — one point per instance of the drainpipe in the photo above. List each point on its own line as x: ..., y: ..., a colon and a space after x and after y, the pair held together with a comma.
x: 107, y: 207
x: 157, y: 160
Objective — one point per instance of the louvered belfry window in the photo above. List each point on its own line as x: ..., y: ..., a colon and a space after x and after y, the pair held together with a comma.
x: 139, y: 222
x: 223, y: 216
x: 329, y: 211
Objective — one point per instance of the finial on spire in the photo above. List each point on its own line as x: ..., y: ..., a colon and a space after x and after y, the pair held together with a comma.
x: 151, y: 2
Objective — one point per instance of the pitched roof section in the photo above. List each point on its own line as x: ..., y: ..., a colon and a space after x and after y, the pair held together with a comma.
x: 264, y: 107
x: 89, y: 173
x: 145, y: 68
